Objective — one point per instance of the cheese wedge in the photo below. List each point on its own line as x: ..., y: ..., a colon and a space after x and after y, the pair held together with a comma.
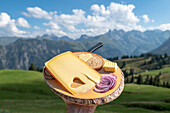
x: 66, y: 67
x: 110, y: 66
x: 85, y: 57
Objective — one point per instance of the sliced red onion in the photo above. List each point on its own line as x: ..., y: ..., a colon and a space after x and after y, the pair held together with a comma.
x: 108, y: 81
x: 101, y: 91
x: 101, y: 86
x: 114, y: 84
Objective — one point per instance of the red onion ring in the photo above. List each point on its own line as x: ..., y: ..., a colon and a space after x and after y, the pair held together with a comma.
x: 108, y: 81
x: 101, y: 91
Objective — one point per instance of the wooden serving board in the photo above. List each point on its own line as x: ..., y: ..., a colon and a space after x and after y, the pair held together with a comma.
x: 90, y: 97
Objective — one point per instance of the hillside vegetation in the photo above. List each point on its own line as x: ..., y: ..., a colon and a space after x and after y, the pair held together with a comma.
x: 26, y: 92
x: 148, y: 66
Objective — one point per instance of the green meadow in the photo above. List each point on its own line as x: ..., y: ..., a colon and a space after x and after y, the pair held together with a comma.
x: 26, y: 92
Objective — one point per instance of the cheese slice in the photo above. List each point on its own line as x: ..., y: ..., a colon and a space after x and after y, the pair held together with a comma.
x: 110, y: 66
x: 85, y: 57
x: 67, y: 66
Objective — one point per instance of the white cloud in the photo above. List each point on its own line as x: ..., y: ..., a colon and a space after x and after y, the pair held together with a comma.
x: 114, y: 16
x: 52, y: 25
x: 37, y: 12
x: 66, y: 23
x: 22, y: 22
x: 56, y: 32
x: 146, y: 18
x: 4, y: 19
x: 102, y: 18
x: 95, y: 8
x: 36, y: 27
x: 164, y: 27
x: 8, y: 26
x: 76, y: 18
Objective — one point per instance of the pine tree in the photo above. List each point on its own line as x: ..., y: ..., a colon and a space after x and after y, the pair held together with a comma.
x: 123, y: 65
x: 131, y: 71
x: 125, y: 73
x: 164, y: 85
x: 151, y: 81
x: 167, y: 84
x: 41, y: 70
x: 165, y: 55
x: 127, y: 80
x: 132, y: 79
x: 33, y: 67
x: 147, y: 80
x: 158, y: 80
x: 155, y: 81
x: 38, y: 69
x: 140, y: 79
x: 144, y: 63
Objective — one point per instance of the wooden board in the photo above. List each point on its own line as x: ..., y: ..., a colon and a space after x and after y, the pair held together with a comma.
x: 90, y: 97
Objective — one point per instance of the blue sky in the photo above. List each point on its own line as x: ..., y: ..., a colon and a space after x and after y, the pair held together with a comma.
x: 29, y: 18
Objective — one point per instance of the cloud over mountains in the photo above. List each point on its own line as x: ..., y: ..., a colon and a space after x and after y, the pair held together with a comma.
x: 8, y: 26
x: 101, y: 19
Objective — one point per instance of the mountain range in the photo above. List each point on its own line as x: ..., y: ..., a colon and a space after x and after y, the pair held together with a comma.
x: 19, y: 53
x: 164, y: 48
x: 7, y: 40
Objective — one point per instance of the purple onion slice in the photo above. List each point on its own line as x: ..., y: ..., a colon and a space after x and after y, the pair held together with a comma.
x: 108, y: 81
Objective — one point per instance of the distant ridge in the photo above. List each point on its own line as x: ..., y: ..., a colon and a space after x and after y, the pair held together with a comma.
x: 7, y: 40
x: 20, y: 53
x: 53, y: 37
x: 164, y: 48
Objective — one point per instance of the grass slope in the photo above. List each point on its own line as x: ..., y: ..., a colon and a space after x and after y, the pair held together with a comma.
x: 26, y: 92
x: 165, y: 74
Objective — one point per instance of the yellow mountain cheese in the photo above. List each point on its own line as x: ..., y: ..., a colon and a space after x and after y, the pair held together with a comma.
x: 85, y: 57
x: 66, y: 67
x: 110, y: 66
